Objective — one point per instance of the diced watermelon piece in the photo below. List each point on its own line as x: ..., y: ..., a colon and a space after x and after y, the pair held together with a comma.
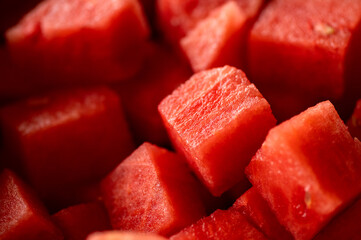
x: 65, y: 139
x: 22, y: 215
x: 162, y: 73
x: 177, y: 17
x: 77, y: 222
x: 222, y: 224
x: 344, y: 226
x: 80, y: 41
x: 308, y: 47
x: 218, y: 120
x: 354, y: 123
x: 260, y: 215
x: 113, y: 235
x: 308, y: 169
x: 152, y: 191
x: 224, y: 44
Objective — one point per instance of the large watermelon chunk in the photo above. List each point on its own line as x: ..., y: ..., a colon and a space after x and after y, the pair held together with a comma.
x: 123, y: 235
x: 152, y: 191
x: 75, y: 41
x: 344, y: 226
x: 77, y: 222
x: 65, y: 139
x: 309, y: 47
x: 257, y: 211
x: 308, y: 169
x: 225, y: 44
x: 218, y: 120
x: 22, y: 216
x: 222, y: 224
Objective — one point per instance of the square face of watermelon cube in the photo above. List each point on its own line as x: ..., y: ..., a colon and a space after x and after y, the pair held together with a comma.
x: 66, y: 138
x: 218, y: 120
x: 22, y: 215
x: 152, y: 191
x: 306, y: 46
x: 80, y: 41
x: 308, y: 169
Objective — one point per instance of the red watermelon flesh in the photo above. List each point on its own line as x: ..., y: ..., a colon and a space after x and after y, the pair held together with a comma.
x: 152, y: 191
x: 218, y: 120
x: 225, y: 44
x: 344, y: 226
x: 177, y: 17
x: 113, y: 235
x: 220, y: 225
x: 354, y: 123
x: 80, y: 41
x: 306, y: 47
x: 308, y: 169
x: 161, y: 74
x: 22, y: 216
x: 65, y: 139
x: 77, y: 222
x: 257, y: 211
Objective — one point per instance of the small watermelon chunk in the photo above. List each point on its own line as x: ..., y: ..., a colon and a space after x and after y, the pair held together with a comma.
x: 77, y: 222
x: 222, y: 224
x: 152, y: 191
x: 161, y: 74
x: 218, y: 120
x: 66, y: 139
x: 344, y: 226
x: 225, y: 44
x: 80, y: 41
x: 308, y: 47
x: 257, y: 211
x: 308, y: 170
x: 123, y: 235
x: 354, y: 123
x: 22, y: 215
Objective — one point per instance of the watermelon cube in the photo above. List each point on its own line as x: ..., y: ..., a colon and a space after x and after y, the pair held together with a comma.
x: 344, y: 226
x: 77, y: 222
x: 308, y: 169
x: 80, y: 41
x: 161, y: 74
x: 257, y: 211
x: 225, y: 44
x: 65, y: 139
x: 217, y: 120
x: 222, y: 224
x: 124, y: 235
x: 308, y: 47
x: 22, y: 215
x: 177, y: 17
x: 152, y: 191
x: 354, y: 123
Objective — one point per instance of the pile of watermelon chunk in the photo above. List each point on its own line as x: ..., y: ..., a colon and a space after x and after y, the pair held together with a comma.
x: 180, y: 119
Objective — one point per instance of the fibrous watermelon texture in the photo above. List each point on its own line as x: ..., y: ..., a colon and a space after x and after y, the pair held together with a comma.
x: 152, y: 191
x: 308, y: 170
x: 65, y: 139
x: 22, y: 215
x: 70, y: 42
x: 217, y: 120
x: 309, y: 48
x: 222, y: 224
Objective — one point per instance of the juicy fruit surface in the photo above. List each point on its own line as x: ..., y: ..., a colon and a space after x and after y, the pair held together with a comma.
x: 308, y: 169
x: 208, y: 119
x: 172, y: 203
x: 22, y: 216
